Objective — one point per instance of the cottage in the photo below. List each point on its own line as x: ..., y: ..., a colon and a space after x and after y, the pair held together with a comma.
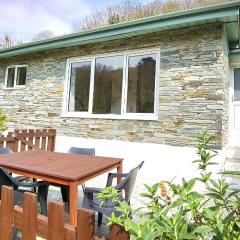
x: 140, y: 90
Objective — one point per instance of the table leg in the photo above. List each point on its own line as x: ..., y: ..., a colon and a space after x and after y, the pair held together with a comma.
x: 73, y: 203
x: 119, y: 170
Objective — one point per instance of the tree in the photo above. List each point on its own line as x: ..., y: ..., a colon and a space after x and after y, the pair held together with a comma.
x: 129, y: 10
x: 8, y: 40
x: 43, y: 35
x: 3, y: 119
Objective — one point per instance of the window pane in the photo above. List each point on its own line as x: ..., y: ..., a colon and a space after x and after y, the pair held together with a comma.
x: 108, y: 85
x: 237, y: 84
x: 141, y: 83
x: 10, y: 77
x: 21, y: 76
x: 79, y: 87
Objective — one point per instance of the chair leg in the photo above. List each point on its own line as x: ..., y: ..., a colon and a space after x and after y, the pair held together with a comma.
x: 65, y: 194
x: 35, y: 189
x: 100, y: 217
x: 43, y: 193
x: 14, y: 234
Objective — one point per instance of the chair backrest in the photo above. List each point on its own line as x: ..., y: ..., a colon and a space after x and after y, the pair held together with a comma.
x: 5, y: 150
x: 83, y: 151
x: 129, y: 182
x: 6, y: 179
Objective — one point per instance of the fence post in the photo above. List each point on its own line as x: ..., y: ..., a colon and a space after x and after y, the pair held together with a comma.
x: 85, y: 224
x: 51, y: 140
x: 54, y: 139
x: 117, y: 232
x: 30, y: 138
x: 56, y: 221
x: 29, y: 230
x: 44, y: 139
x: 12, y: 143
x: 6, y: 213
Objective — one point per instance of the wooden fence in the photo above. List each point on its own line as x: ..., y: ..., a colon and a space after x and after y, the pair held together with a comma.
x: 25, y: 140
x: 52, y: 227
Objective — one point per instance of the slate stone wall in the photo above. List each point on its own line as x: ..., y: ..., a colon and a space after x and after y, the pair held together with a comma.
x: 193, y: 90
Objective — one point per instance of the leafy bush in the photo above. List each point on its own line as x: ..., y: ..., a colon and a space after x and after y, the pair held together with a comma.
x: 179, y: 211
x: 3, y: 119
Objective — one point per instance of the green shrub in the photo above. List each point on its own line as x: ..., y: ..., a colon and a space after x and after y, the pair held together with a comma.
x: 3, y: 119
x: 179, y: 211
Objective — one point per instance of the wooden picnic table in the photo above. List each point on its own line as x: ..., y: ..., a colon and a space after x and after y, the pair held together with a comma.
x: 61, y: 168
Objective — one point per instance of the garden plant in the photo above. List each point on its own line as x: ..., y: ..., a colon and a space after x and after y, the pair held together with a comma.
x: 3, y: 119
x: 181, y: 211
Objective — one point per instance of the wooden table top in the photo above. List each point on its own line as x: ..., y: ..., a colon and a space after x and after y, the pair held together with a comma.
x: 71, y: 167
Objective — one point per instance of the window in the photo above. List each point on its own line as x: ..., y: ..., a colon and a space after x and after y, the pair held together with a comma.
x: 116, y: 86
x: 79, y: 86
x: 141, y: 84
x: 16, y: 76
x: 108, y: 85
x: 237, y: 84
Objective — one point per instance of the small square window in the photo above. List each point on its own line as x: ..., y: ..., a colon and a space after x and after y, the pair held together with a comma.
x: 16, y: 76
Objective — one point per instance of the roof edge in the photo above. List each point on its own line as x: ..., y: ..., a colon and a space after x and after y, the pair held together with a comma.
x: 115, y: 28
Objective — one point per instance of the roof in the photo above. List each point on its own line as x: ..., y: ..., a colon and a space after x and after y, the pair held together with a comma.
x: 234, y: 57
x: 227, y: 13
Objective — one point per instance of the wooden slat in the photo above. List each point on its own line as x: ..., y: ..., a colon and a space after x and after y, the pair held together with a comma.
x: 49, y: 144
x: 85, y: 224
x: 25, y: 140
x: 6, y: 213
x: 4, y: 139
x: 38, y: 133
x: 18, y: 143
x: 30, y: 138
x: 52, y: 228
x: 51, y: 140
x: 42, y: 225
x: 28, y: 144
x: 21, y: 139
x: 12, y: 144
x: 118, y: 233
x: 29, y: 217
x: 20, y: 146
x: 54, y: 134
x: 44, y: 139
x: 37, y: 138
x: 56, y: 221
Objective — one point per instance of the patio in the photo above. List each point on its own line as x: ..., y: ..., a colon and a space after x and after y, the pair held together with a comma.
x: 33, y: 156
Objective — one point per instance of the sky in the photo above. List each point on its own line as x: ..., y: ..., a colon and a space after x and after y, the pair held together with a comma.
x: 25, y: 18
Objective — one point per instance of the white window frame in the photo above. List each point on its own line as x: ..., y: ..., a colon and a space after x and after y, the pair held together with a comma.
x: 15, y: 76
x: 124, y: 114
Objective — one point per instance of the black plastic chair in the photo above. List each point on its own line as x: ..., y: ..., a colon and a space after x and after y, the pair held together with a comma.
x: 7, y: 180
x: 65, y: 189
x: 127, y: 184
x: 7, y: 150
x: 83, y: 151
x: 75, y: 150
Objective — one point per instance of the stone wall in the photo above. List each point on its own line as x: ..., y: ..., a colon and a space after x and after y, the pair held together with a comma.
x: 192, y: 95
x: 226, y: 85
